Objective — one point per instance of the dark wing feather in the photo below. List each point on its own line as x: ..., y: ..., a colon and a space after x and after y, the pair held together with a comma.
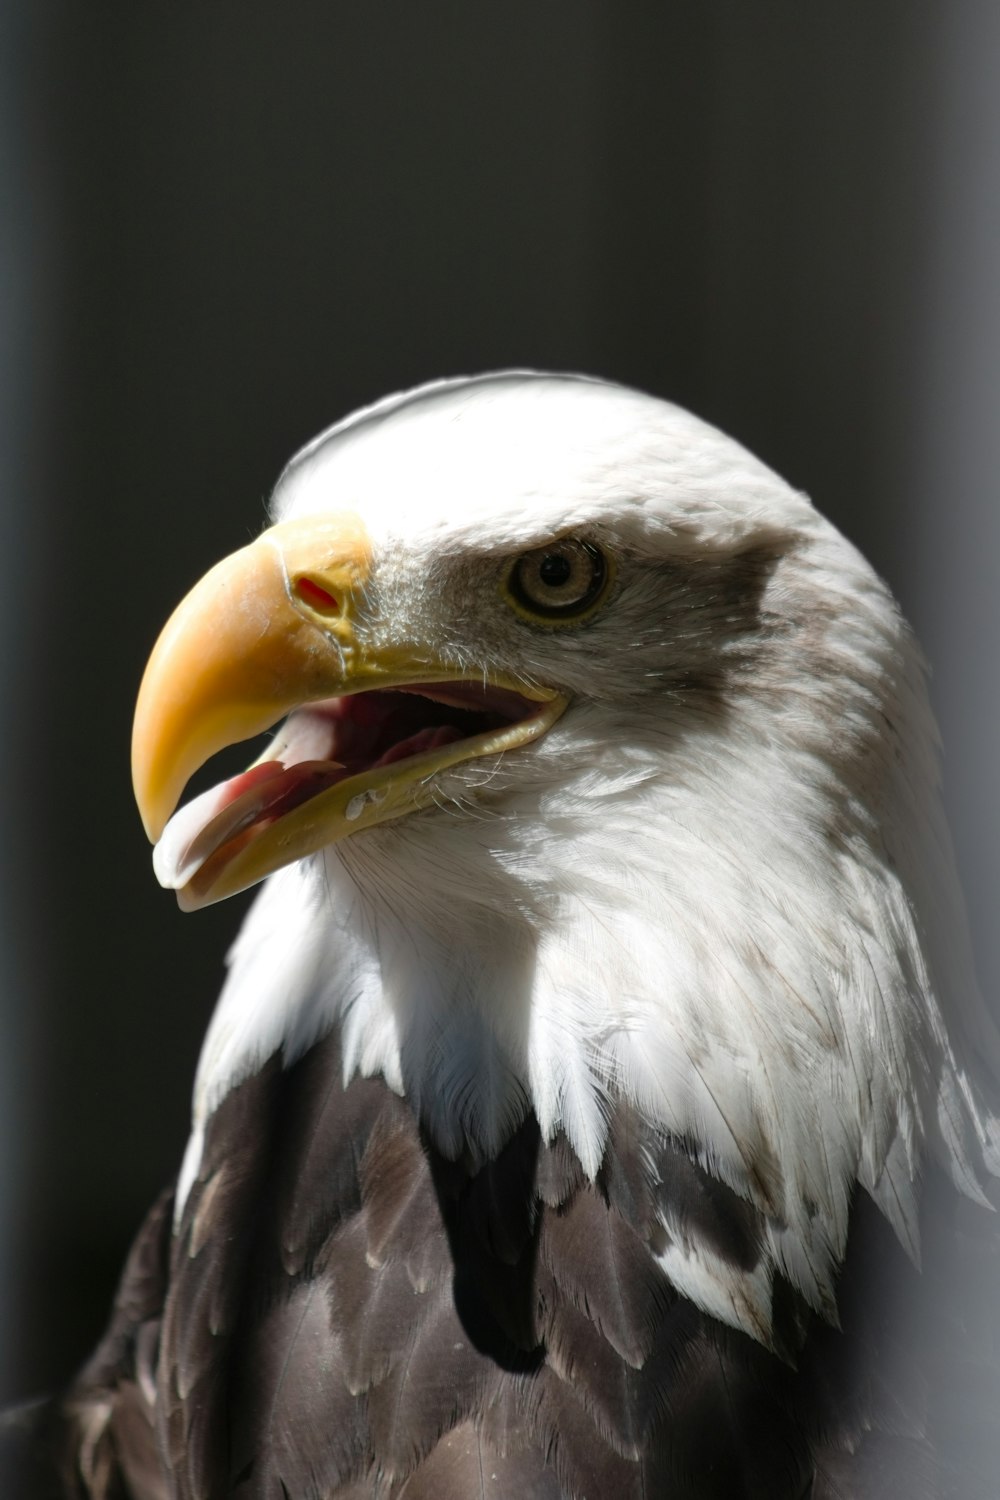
x: 318, y: 1187
x: 210, y: 1265
x: 603, y: 1268
x: 377, y: 1308
x: 384, y: 1323
x: 282, y: 1388
x: 465, y: 1465
x: 401, y: 1218
x: 441, y: 1379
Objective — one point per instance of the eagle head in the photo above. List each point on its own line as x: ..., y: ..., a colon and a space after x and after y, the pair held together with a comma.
x: 604, y: 773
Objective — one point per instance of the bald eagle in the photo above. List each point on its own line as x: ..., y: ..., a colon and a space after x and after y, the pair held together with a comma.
x: 600, y: 1103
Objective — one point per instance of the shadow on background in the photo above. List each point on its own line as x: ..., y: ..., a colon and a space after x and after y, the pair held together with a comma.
x: 233, y: 223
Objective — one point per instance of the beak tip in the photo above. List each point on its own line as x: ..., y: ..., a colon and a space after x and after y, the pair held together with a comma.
x: 153, y: 819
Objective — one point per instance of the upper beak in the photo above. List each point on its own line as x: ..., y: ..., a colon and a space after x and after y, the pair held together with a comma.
x: 269, y: 628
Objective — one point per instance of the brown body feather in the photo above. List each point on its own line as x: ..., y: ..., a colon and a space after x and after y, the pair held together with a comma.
x: 342, y: 1313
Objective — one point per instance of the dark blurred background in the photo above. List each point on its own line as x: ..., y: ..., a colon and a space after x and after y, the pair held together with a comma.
x: 226, y: 224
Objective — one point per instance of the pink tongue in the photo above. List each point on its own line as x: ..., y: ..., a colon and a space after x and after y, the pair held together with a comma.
x: 266, y: 791
x: 424, y: 739
x: 218, y: 815
x: 231, y: 790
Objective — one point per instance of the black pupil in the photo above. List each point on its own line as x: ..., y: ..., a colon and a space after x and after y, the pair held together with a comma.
x: 554, y: 570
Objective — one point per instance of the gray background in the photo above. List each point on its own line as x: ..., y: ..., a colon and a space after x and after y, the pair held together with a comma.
x: 227, y: 223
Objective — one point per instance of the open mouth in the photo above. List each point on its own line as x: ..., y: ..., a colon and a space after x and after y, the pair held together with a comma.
x: 346, y: 760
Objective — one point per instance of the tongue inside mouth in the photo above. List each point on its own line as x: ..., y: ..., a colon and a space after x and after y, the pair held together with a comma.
x: 319, y: 746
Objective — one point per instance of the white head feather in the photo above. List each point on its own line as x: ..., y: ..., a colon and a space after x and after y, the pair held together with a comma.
x: 720, y: 887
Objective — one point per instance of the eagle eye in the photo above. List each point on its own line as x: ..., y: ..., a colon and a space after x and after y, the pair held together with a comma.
x: 563, y: 580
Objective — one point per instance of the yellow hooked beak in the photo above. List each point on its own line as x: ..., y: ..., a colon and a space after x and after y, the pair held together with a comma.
x: 270, y: 629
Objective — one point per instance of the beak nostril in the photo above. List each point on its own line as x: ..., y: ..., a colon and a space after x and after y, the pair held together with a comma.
x: 314, y: 594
